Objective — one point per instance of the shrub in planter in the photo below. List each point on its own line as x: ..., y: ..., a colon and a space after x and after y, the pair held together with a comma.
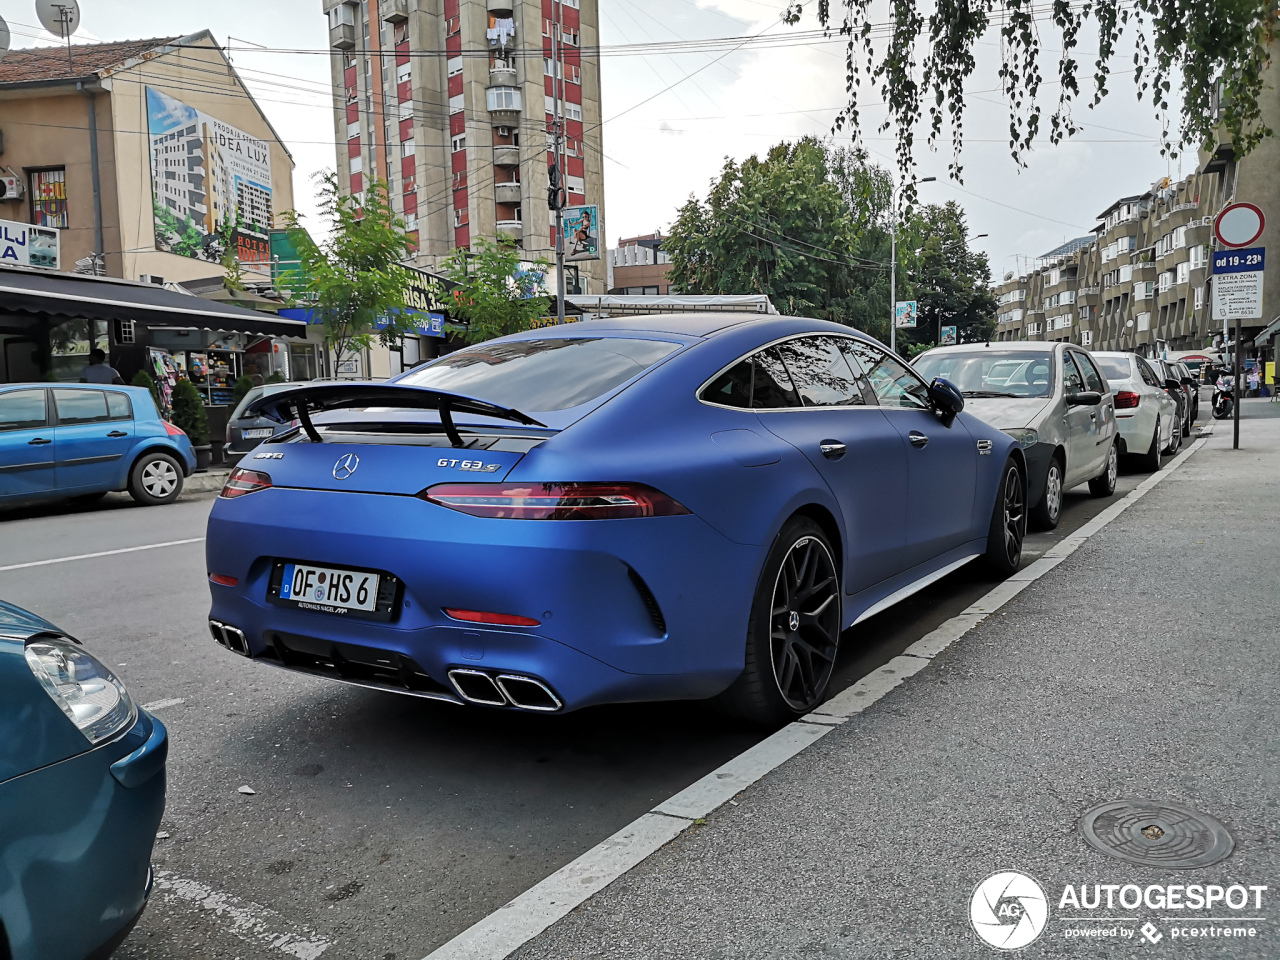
x: 144, y: 379
x: 276, y: 377
x: 189, y: 412
x: 243, y: 385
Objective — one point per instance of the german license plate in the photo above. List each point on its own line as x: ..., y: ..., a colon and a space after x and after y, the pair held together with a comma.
x: 257, y: 433
x: 329, y: 588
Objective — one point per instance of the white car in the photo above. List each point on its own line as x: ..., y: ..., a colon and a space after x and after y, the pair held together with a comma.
x: 1149, y: 419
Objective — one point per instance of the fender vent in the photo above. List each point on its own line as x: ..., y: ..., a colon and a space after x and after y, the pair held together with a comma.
x: 650, y: 602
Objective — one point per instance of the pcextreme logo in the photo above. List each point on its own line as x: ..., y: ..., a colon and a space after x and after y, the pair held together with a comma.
x: 1008, y: 910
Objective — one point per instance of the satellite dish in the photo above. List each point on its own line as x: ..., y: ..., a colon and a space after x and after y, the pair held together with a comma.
x: 4, y: 38
x: 59, y: 17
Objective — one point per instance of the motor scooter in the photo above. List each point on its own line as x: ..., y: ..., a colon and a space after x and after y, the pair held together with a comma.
x: 1223, y: 397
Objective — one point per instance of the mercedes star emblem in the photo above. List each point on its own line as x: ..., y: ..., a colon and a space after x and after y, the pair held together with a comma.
x: 345, y: 466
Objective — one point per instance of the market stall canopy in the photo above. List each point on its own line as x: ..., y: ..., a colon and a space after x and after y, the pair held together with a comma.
x: 40, y: 295
x: 616, y: 305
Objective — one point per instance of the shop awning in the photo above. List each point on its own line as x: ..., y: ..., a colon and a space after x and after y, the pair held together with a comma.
x: 37, y: 295
x: 1272, y: 329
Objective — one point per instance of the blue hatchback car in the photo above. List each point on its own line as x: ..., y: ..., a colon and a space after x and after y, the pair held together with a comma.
x: 81, y: 795
x: 633, y: 509
x: 84, y: 440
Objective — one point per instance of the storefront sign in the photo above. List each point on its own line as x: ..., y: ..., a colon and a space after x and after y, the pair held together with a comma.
x: 29, y: 246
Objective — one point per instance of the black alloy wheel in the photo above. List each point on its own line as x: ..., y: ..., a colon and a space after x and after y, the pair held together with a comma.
x: 794, y: 630
x: 1008, y: 523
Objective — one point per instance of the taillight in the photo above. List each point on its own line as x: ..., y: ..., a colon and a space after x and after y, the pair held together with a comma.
x: 223, y: 580
x: 1127, y: 400
x: 174, y: 431
x: 501, y: 619
x: 242, y: 482
x: 554, y: 501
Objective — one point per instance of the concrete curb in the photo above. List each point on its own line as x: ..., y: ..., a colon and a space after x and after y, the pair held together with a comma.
x: 210, y: 481
x: 511, y: 926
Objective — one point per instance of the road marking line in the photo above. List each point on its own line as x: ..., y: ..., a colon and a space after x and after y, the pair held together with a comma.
x: 161, y: 704
x: 103, y: 553
x: 246, y: 920
x: 511, y: 926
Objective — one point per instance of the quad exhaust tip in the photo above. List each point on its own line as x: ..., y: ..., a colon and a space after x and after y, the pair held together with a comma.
x: 504, y: 689
x: 232, y: 638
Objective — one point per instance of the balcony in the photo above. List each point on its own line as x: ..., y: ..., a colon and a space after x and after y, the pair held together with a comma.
x: 498, y: 7
x: 511, y: 228
x: 503, y: 74
x: 395, y: 11
x: 504, y: 105
x: 506, y: 155
x: 508, y: 192
x: 343, y: 36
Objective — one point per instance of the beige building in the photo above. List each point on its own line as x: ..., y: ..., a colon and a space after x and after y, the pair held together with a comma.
x: 638, y: 266
x: 463, y: 139
x: 127, y: 144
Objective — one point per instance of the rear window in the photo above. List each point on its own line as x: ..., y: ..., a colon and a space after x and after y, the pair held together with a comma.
x: 538, y: 375
x: 1114, y: 368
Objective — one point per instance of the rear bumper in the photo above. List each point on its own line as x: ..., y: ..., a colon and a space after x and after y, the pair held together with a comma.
x: 600, y: 638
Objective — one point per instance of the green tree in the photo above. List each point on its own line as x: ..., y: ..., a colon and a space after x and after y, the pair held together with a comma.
x: 354, y: 281
x: 242, y: 386
x: 951, y: 281
x: 189, y: 413
x: 497, y: 292
x: 233, y: 279
x: 1216, y: 53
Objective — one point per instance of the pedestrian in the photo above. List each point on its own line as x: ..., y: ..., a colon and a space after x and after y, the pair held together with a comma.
x: 97, y: 370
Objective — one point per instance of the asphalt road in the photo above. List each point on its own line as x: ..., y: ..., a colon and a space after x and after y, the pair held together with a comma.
x: 378, y: 826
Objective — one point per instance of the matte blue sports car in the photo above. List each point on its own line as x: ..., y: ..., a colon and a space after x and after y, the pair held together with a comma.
x: 632, y: 509
x: 81, y: 794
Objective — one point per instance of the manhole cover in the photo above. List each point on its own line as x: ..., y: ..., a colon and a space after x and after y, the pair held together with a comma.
x: 1156, y: 834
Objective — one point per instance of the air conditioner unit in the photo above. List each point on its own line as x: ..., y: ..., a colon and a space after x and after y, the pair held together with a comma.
x: 11, y: 188
x: 151, y: 278
x: 504, y: 131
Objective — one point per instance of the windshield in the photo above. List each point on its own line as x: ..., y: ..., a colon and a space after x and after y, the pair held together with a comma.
x: 541, y: 375
x: 992, y: 373
x: 1114, y: 368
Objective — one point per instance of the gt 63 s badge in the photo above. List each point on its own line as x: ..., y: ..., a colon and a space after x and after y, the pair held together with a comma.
x: 475, y: 466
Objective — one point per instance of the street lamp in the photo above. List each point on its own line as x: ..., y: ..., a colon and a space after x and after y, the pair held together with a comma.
x: 893, y: 265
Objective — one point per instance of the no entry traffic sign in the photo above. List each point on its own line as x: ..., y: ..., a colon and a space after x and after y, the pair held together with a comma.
x: 1239, y: 225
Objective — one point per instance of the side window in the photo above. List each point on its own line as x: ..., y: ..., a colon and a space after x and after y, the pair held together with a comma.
x: 773, y: 386
x: 1148, y: 375
x: 732, y: 388
x: 820, y: 372
x: 893, y: 383
x: 1072, y: 381
x: 80, y: 406
x: 1092, y: 378
x: 22, y: 410
x: 118, y: 406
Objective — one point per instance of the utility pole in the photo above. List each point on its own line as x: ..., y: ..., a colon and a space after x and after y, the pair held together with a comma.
x: 555, y: 189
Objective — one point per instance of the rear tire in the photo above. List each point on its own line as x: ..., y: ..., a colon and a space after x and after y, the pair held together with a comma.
x: 1150, y: 461
x: 1175, y: 439
x: 1008, y: 523
x: 1104, y: 484
x: 155, y: 479
x: 1046, y: 513
x: 794, y: 631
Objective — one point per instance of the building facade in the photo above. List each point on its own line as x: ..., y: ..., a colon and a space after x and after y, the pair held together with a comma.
x: 464, y: 139
x: 638, y: 266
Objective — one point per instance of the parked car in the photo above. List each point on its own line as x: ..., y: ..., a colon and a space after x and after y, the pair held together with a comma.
x: 1051, y: 399
x: 1180, y: 389
x: 646, y: 508
x: 1192, y: 384
x: 82, y: 792
x: 84, y: 440
x: 1147, y: 414
x: 245, y: 433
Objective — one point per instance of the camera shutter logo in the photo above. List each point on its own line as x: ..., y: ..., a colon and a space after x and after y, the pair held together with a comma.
x: 1008, y: 910
x: 345, y: 466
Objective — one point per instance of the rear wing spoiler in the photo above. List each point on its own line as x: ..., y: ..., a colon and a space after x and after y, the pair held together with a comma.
x: 308, y: 399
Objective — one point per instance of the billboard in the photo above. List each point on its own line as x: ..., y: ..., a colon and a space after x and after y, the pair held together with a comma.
x: 210, y: 184
x: 582, y: 233
x: 29, y: 246
x: 905, y: 313
x: 948, y: 338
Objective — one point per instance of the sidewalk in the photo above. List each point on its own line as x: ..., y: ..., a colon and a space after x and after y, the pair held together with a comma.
x: 1144, y: 666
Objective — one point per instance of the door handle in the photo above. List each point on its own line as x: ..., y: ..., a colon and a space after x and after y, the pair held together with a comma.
x: 917, y: 439
x: 832, y: 449
x: 38, y: 441
x: 117, y: 433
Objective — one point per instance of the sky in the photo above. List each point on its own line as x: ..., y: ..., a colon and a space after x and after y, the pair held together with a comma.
x: 672, y: 118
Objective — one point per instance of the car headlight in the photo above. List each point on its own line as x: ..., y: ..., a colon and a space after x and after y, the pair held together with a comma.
x: 1025, y: 436
x: 81, y: 685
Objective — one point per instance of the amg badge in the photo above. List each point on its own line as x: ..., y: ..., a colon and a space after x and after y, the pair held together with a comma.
x: 984, y: 448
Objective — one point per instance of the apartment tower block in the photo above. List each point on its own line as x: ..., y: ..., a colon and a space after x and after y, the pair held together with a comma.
x: 451, y: 102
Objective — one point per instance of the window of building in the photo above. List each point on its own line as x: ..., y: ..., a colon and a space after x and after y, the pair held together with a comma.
x: 48, y: 189
x: 1179, y: 238
x: 343, y: 13
x: 576, y: 185
x: 457, y: 104
x: 1086, y: 338
x: 460, y: 217
x: 1126, y: 273
x: 569, y: 35
x: 405, y: 71
x: 353, y: 130
x: 1166, y: 280
x: 1199, y: 297
x: 572, y: 111
x: 454, y: 66
x: 1144, y: 322
x: 357, y: 164
x: 408, y: 148
x: 1184, y: 272
x: 1033, y: 329
x: 1199, y: 255
x: 405, y: 112
x: 503, y: 98
x: 459, y: 142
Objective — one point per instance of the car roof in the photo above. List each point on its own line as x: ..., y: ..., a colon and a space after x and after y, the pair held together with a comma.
x: 680, y: 324
x: 1023, y: 346
x: 72, y: 385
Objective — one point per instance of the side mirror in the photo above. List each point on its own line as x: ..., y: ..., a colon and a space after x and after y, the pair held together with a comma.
x: 1089, y: 398
x: 946, y: 397
x: 1189, y: 381
x: 1172, y: 384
